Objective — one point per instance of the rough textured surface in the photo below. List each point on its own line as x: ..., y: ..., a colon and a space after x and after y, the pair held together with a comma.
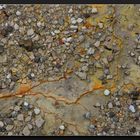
x: 69, y: 70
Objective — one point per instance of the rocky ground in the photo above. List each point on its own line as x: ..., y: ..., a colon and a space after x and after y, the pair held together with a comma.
x: 69, y: 70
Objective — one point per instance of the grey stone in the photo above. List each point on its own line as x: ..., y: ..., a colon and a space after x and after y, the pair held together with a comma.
x: 20, y: 117
x: 132, y: 108
x: 36, y: 111
x: 9, y: 127
x: 1, y: 124
x: 110, y: 105
x: 39, y: 122
x: 26, y: 131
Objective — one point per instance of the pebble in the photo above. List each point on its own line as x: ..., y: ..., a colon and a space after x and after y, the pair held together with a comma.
x: 100, y: 25
x: 30, y: 32
x: 97, y: 44
x: 39, y: 24
x: 79, y: 20
x: 132, y: 108
x: 18, y: 13
x: 132, y: 54
x: 9, y: 127
x: 106, y: 92
x: 27, y: 119
x: 110, y: 105
x: 1, y: 124
x: 88, y: 115
x: 26, y: 104
x: 30, y: 126
x: 39, y: 122
x: 62, y: 127
x: 20, y: 117
x: 17, y: 108
x: 10, y: 133
x: 90, y: 51
x: 94, y: 10
x: 16, y: 26
x: 26, y: 131
x: 138, y: 58
x: 36, y: 111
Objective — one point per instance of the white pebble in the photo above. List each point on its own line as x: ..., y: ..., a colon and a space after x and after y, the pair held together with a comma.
x: 100, y: 25
x: 61, y: 127
x: 32, y: 75
x: 39, y: 24
x: 79, y: 20
x: 69, y: 39
x: 57, y: 31
x: 106, y: 92
x: 16, y: 27
x: 70, y: 11
x: 8, y: 76
x: 73, y: 27
x: 94, y: 10
x: 36, y: 111
x: 26, y: 104
x: 132, y: 109
x: 18, y: 13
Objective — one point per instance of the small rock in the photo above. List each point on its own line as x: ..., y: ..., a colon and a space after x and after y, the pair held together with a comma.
x: 94, y: 10
x: 30, y: 126
x: 27, y: 119
x: 82, y: 75
x: 106, y: 92
x: 110, y: 105
x: 87, y: 115
x: 18, y: 13
x: 100, y: 25
x: 62, y: 127
x: 10, y: 133
x: 26, y: 131
x: 17, y: 108
x: 132, y: 54
x: 92, y: 128
x: 138, y: 58
x: 1, y: 124
x: 16, y: 26
x: 9, y: 127
x: 26, y: 104
x: 97, y: 44
x: 14, y: 114
x: 90, y: 51
x: 20, y: 117
x: 132, y: 108
x: 36, y: 111
x: 30, y: 32
x: 79, y: 20
x: 39, y: 122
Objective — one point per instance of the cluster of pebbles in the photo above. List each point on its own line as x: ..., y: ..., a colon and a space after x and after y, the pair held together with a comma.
x: 39, y: 42
x: 22, y: 119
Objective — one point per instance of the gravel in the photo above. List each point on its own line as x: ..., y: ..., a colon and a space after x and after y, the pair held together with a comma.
x: 36, y: 111
x: 39, y: 122
x: 106, y: 92
x: 26, y: 131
